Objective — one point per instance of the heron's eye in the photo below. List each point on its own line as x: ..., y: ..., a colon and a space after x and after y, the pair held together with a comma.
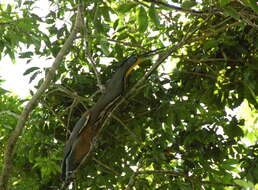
x: 130, y: 60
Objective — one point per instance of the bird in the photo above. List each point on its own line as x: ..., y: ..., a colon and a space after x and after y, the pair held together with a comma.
x: 82, y: 138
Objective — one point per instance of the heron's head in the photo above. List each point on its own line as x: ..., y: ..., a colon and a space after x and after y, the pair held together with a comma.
x: 131, y: 62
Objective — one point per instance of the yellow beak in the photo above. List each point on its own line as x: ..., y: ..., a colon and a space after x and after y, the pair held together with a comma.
x: 138, y: 61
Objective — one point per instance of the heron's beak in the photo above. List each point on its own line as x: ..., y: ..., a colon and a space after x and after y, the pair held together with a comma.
x: 142, y: 58
x: 137, y: 62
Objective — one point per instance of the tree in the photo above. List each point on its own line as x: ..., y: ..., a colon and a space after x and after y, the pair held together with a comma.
x: 172, y: 131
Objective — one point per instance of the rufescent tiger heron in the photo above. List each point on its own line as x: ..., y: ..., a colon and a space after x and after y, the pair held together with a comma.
x: 81, y: 140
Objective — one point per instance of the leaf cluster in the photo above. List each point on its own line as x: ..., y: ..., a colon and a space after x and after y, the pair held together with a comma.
x: 177, y: 121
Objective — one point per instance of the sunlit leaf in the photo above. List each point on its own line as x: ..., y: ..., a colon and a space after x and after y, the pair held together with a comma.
x: 153, y: 15
x: 27, y: 54
x: 104, y: 47
x: 224, y: 2
x: 123, y: 8
x: 188, y: 4
x: 3, y: 91
x: 98, y: 26
x: 142, y: 19
x: 245, y: 184
x: 105, y: 13
x: 210, y: 44
x: 232, y: 12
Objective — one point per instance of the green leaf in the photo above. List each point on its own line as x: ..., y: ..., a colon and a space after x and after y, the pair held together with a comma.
x: 27, y: 54
x: 123, y: 8
x: 120, y: 29
x: 34, y: 76
x: 231, y: 162
x: 104, y: 46
x: 231, y: 12
x: 224, y: 2
x: 233, y: 130
x: 132, y: 39
x: 29, y: 3
x: 142, y: 19
x: 122, y: 36
x: 153, y: 15
x: 29, y: 70
x: 210, y: 44
x: 105, y: 13
x: 188, y: 4
x: 98, y: 26
x: 97, y: 20
x: 11, y: 55
x: 50, y: 21
x: 253, y: 4
x: 115, y: 24
x: 245, y: 184
x: 3, y: 91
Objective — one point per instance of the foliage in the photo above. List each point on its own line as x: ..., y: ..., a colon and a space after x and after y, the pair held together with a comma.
x: 175, y: 128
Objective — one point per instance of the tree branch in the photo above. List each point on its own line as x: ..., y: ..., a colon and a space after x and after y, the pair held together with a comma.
x: 9, y: 150
x: 199, y: 74
x: 191, y: 11
x: 247, y: 21
x: 172, y: 173
x: 8, y: 112
x: 70, y: 94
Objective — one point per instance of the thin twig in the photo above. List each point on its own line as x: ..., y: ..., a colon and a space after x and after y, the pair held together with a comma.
x: 88, y: 54
x: 106, y: 166
x: 70, y: 94
x: 222, y: 23
x: 199, y: 74
x: 247, y: 21
x: 206, y: 60
x: 93, y: 65
x: 133, y: 177
x: 144, y: 113
x: 138, y: 139
x: 127, y: 44
x: 210, y: 34
x: 9, y: 149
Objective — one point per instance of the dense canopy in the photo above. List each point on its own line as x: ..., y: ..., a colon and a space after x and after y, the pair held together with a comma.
x: 176, y: 129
